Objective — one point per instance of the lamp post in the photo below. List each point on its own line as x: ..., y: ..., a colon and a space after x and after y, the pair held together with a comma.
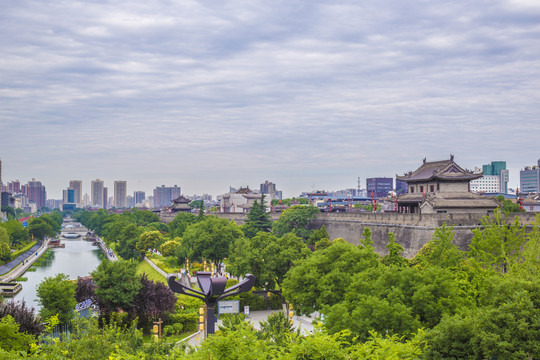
x: 213, y: 290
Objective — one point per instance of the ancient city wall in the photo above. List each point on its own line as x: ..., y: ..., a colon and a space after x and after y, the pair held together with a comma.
x: 412, y: 230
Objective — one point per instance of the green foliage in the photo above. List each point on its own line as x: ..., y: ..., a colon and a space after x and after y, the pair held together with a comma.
x: 508, y: 206
x: 39, y: 228
x: 277, y: 328
x: 497, y: 245
x: 257, y: 219
x: 296, y: 219
x: 366, y: 241
x: 389, y: 347
x: 188, y: 319
x: 210, y: 239
x: 233, y: 322
x: 178, y: 226
x: 11, y: 339
x: 318, y: 235
x: 394, y: 252
x: 57, y: 296
x: 440, y: 251
x: 148, y: 240
x: 127, y: 242
x: 16, y: 231
x: 117, y: 284
x: 323, y: 278
x: 5, y: 251
x: 290, y: 201
x: 169, y: 248
x: 267, y: 257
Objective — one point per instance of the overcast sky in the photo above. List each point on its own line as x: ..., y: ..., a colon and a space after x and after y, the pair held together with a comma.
x: 306, y: 94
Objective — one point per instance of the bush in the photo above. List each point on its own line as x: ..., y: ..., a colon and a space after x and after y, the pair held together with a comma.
x: 168, y: 330
x: 188, y: 320
x: 178, y: 328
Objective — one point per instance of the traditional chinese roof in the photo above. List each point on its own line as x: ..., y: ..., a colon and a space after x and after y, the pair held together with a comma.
x: 181, y: 200
x: 245, y: 190
x: 181, y: 204
x: 445, y: 170
x: 461, y: 200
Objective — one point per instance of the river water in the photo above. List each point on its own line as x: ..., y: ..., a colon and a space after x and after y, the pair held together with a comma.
x: 78, y: 258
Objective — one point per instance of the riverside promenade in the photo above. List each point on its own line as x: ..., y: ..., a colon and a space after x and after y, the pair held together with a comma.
x: 23, y: 262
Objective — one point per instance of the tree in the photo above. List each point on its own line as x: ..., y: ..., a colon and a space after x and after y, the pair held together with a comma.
x: 39, y: 228
x: 181, y: 223
x: 152, y: 300
x: 11, y: 339
x: 440, y: 251
x: 57, y: 296
x: 5, y: 251
x: 210, y: 240
x: 117, y: 284
x: 169, y: 248
x: 296, y: 219
x: 148, y: 240
x: 508, y: 206
x: 16, y: 231
x: 127, y: 242
x: 394, y: 252
x: 257, y: 219
x: 23, y: 315
x: 267, y: 257
x: 85, y: 290
x: 322, y: 279
x: 497, y: 245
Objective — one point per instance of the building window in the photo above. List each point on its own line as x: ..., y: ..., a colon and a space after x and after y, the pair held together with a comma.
x: 432, y: 188
x: 437, y: 186
x: 412, y: 189
x: 421, y: 189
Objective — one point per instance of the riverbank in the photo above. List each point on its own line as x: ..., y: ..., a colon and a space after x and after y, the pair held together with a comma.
x: 25, y: 262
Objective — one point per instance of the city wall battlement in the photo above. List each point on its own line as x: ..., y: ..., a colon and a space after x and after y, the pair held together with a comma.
x: 412, y: 231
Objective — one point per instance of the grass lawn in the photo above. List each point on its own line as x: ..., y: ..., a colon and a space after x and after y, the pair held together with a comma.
x: 144, y: 268
x: 161, y: 262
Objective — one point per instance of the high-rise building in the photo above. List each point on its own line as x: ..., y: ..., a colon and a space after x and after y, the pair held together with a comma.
x: 86, y: 200
x: 139, y: 197
x: 529, y: 179
x: 163, y: 196
x: 76, y: 185
x: 96, y: 188
x: 130, y: 201
x: 379, y: 186
x: 494, y: 180
x: 68, y: 196
x: 269, y: 188
x: 1, y: 183
x: 14, y: 187
x: 37, y: 193
x: 106, y: 200
x: 120, y: 192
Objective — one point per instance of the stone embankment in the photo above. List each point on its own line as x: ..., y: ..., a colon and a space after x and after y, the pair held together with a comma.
x: 25, y: 263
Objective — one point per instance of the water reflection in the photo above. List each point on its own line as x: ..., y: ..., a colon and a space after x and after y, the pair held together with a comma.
x: 78, y: 258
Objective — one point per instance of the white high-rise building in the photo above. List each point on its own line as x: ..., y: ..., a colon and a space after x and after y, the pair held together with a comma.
x: 120, y: 194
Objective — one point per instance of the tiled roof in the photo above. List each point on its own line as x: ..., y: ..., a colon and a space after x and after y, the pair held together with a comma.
x: 446, y: 170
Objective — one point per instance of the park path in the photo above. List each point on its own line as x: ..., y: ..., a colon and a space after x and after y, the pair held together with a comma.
x: 16, y: 268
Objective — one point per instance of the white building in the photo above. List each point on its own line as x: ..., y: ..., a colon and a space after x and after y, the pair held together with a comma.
x: 486, y: 184
x: 239, y: 201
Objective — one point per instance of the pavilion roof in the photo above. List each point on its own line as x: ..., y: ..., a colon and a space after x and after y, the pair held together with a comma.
x: 445, y: 170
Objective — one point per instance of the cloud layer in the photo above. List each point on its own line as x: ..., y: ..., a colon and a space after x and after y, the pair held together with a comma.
x: 308, y: 95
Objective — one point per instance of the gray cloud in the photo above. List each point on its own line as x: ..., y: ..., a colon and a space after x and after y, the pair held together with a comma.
x: 211, y: 94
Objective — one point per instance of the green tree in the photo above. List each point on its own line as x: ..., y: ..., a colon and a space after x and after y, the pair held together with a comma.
x: 117, y: 284
x: 210, y: 240
x: 11, y: 339
x: 148, y: 240
x: 267, y: 257
x: 508, y: 206
x: 394, y: 252
x: 181, y: 223
x: 497, y: 245
x: 39, y: 228
x: 170, y: 247
x: 257, y: 219
x: 296, y: 219
x: 127, y: 242
x: 16, y: 231
x: 5, y: 251
x: 56, y: 295
x: 440, y: 251
x: 322, y: 279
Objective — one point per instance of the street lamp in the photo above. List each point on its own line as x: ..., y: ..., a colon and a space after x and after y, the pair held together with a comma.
x: 213, y: 290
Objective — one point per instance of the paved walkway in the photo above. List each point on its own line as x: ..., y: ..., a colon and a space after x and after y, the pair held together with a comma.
x: 16, y: 267
x: 299, y: 322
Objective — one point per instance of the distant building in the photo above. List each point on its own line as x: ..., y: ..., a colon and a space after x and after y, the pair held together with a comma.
x: 529, y: 179
x: 442, y: 187
x: 86, y: 200
x: 163, y: 196
x: 14, y: 187
x: 106, y: 199
x: 494, y: 180
x: 130, y: 201
x: 181, y: 204
x: 120, y: 194
x: 401, y: 187
x: 37, y: 193
x: 269, y: 188
x: 6, y: 199
x: 96, y: 189
x: 239, y: 201
x: 68, y: 196
x: 76, y: 185
x: 139, y: 197
x: 379, y: 186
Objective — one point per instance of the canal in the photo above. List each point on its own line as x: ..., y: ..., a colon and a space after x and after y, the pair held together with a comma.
x: 78, y: 258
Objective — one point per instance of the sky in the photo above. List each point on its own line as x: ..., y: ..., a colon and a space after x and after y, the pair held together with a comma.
x: 310, y: 95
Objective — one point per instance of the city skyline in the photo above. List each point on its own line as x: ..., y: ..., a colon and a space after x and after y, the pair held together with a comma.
x: 308, y: 95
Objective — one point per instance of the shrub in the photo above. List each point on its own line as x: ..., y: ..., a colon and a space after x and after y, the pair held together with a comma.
x: 178, y: 327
